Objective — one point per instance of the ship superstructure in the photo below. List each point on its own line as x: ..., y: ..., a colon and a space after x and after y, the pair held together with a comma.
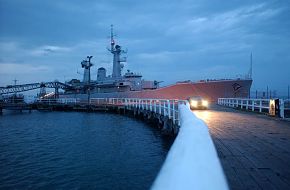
x: 111, y: 83
x: 132, y: 85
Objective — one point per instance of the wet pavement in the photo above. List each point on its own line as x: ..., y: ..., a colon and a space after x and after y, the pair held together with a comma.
x: 254, y: 149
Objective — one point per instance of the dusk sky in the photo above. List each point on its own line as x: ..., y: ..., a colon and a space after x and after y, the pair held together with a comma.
x: 166, y: 40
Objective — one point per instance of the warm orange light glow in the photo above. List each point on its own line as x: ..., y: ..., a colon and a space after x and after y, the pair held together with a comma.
x: 203, y: 114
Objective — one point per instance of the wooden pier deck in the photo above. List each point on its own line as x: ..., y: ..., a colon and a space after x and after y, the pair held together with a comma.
x: 254, y: 149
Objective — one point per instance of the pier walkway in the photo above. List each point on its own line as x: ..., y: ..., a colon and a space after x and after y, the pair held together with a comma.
x: 254, y: 149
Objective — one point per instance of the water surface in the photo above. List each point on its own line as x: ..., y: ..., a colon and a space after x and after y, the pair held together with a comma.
x: 70, y: 150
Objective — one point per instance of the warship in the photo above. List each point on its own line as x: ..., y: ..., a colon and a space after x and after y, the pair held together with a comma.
x: 131, y: 85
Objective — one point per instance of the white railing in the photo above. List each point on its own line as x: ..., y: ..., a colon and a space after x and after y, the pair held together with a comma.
x: 285, y: 108
x: 252, y: 104
x: 260, y: 105
x: 168, y: 108
x: 192, y: 161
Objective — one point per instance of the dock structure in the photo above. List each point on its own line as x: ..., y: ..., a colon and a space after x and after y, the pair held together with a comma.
x: 162, y: 113
x: 20, y: 106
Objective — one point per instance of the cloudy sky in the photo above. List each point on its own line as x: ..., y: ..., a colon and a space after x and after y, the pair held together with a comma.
x: 166, y: 40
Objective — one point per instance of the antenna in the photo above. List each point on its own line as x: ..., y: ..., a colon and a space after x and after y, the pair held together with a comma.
x: 251, y: 66
x: 112, y: 38
x: 15, y: 81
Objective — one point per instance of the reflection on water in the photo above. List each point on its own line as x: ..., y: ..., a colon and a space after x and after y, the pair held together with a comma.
x: 59, y: 150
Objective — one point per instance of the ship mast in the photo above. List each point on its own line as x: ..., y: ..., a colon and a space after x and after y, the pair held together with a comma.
x: 116, y: 51
x: 112, y: 39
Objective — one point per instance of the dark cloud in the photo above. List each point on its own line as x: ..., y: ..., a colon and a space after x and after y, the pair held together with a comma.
x: 167, y: 40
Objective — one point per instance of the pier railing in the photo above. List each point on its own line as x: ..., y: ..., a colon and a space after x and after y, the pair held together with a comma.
x: 165, y: 107
x: 259, y: 105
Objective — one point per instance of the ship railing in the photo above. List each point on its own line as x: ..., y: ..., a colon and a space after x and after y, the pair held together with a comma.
x: 53, y: 101
x: 258, y: 105
x: 165, y: 107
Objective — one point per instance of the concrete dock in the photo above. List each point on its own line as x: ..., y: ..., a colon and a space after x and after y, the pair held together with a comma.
x: 254, y: 149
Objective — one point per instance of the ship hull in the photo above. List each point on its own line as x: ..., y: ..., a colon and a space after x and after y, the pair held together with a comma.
x: 212, y: 90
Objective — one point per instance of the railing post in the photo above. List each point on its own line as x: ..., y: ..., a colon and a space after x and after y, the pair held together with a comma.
x: 253, y: 105
x: 154, y: 106
x: 164, y: 112
x: 160, y: 107
x: 282, y: 108
x: 260, y: 108
x: 178, y: 115
x: 150, y: 102
x: 173, y: 112
x: 247, y: 105
x: 168, y: 108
